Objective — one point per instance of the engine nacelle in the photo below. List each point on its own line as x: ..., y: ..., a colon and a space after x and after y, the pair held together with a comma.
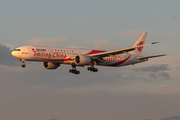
x: 82, y: 60
x: 50, y: 65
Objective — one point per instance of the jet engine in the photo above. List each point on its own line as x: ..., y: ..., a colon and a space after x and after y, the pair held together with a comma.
x: 82, y: 60
x: 50, y: 65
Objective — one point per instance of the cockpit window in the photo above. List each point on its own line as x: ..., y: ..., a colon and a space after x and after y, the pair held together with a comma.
x: 17, y: 50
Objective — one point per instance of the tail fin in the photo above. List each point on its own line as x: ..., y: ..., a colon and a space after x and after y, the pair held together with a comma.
x: 140, y: 41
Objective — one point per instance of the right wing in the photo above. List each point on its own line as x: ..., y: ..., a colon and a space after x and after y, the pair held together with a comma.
x: 116, y: 52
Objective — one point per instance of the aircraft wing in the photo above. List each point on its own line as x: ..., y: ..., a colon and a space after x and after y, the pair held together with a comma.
x: 116, y: 52
x: 141, y: 58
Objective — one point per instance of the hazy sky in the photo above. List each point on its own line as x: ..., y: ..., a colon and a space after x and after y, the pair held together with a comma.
x: 150, y: 90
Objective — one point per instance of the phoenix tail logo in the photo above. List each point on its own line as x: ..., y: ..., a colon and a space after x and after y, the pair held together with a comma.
x: 140, y: 48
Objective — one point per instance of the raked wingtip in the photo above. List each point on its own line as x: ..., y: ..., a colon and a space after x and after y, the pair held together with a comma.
x: 154, y: 42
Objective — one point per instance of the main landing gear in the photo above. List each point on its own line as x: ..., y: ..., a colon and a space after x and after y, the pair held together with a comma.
x: 92, y: 68
x: 74, y: 71
x: 23, y: 61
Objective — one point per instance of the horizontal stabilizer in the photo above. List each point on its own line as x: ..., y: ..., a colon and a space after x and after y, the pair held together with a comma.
x: 141, y: 58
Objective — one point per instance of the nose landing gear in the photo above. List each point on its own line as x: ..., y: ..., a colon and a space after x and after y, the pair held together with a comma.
x: 23, y: 61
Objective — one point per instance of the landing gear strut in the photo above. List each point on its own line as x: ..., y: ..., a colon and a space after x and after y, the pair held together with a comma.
x: 23, y: 61
x: 74, y: 71
x: 92, y: 68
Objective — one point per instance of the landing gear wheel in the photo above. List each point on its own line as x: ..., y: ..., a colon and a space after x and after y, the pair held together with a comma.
x: 23, y: 66
x: 78, y: 72
x: 70, y: 70
x: 92, y: 69
x: 73, y: 71
x: 88, y: 68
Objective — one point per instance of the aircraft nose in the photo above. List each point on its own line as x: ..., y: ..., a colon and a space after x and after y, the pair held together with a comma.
x: 13, y: 53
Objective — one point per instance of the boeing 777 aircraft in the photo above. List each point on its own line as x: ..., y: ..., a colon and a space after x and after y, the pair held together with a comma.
x: 52, y: 57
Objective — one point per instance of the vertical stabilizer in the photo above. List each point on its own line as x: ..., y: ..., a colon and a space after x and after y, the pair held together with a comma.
x: 140, y: 41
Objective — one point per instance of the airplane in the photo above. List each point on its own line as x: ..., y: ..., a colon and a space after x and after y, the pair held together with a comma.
x: 52, y: 57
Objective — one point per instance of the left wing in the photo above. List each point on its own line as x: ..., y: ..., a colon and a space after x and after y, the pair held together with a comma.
x: 116, y: 52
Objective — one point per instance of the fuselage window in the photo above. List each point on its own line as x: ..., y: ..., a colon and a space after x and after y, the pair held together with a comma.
x: 40, y: 49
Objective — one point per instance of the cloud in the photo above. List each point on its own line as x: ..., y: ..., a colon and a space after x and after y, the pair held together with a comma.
x: 77, y: 47
x: 164, y: 75
x: 174, y: 16
x: 99, y: 44
x: 154, y: 68
x: 164, y: 48
x: 47, y: 41
x: 6, y: 57
x: 135, y: 34
x: 130, y: 34
x: 165, y: 90
x: 156, y: 71
x: 177, y: 35
x: 164, y: 35
x: 171, y: 118
x: 94, y: 88
x: 12, y: 47
x: 87, y: 91
x: 152, y: 75
x: 178, y: 68
x: 103, y: 44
